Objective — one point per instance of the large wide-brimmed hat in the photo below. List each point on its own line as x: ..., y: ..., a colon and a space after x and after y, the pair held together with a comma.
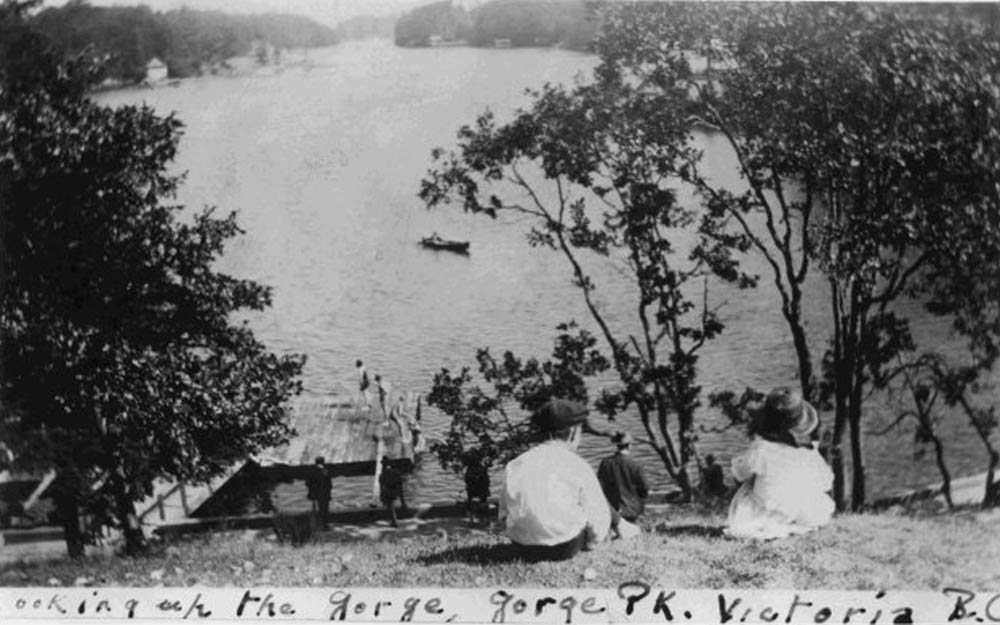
x: 558, y: 414
x: 784, y: 409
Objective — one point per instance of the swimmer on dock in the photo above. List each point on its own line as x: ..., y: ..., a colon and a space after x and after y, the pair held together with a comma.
x: 363, y: 385
x: 383, y: 391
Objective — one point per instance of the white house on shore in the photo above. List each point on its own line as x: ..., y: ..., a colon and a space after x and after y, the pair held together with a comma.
x: 156, y: 70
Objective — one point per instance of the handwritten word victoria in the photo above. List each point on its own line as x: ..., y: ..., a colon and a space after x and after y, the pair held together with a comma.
x: 634, y: 601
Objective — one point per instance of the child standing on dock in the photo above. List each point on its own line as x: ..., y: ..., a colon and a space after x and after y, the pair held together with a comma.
x: 363, y: 384
x: 785, y: 480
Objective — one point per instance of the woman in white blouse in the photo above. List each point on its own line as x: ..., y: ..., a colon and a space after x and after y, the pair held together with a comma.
x: 785, y: 480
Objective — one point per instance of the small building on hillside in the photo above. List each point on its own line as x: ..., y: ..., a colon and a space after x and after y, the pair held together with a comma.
x: 501, y: 43
x: 156, y: 70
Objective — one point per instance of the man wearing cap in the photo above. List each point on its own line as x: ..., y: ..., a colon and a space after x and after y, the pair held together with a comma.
x: 623, y: 480
x: 551, y: 502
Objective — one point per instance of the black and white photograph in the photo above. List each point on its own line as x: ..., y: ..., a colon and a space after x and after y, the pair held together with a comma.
x: 565, y: 307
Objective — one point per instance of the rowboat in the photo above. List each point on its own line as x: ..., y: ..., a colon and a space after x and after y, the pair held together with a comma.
x: 435, y: 242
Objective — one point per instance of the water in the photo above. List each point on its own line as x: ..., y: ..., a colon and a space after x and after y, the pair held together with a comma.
x: 323, y: 164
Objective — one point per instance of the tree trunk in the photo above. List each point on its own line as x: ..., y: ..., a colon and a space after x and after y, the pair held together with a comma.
x: 837, y: 466
x: 684, y: 481
x: 857, y: 455
x: 991, y: 494
x: 840, y: 426
x: 840, y: 401
x: 135, y: 538
x: 943, y: 468
x: 806, y: 380
x: 857, y: 469
x: 991, y: 497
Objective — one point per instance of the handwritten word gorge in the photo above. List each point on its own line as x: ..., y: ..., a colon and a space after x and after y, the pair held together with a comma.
x: 630, y: 602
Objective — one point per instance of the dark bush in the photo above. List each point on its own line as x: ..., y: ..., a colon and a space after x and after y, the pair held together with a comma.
x: 296, y: 529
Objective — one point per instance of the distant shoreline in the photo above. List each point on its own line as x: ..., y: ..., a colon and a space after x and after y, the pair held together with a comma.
x: 232, y: 67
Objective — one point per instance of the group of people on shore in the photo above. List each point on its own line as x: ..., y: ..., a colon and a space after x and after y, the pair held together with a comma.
x: 319, y: 486
x: 552, y: 505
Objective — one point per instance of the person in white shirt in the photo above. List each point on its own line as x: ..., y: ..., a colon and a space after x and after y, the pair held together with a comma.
x: 785, y: 480
x: 551, y: 502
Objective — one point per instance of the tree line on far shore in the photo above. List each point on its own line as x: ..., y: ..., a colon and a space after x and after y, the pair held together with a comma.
x: 522, y: 23
x: 187, y: 40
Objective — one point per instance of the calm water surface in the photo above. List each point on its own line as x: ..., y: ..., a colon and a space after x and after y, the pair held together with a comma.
x: 323, y: 165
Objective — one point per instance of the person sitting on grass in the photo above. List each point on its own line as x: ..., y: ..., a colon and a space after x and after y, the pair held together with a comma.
x: 551, y: 503
x: 390, y: 484
x: 784, y: 479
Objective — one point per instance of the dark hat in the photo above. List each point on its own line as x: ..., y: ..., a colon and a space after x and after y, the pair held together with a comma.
x: 320, y: 460
x: 622, y: 439
x: 558, y: 414
x: 784, y: 409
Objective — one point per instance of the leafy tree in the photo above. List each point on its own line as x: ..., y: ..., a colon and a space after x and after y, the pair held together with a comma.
x: 866, y: 140
x: 484, y: 427
x: 592, y: 169
x: 122, y: 363
x: 186, y: 39
x: 441, y: 19
x: 920, y: 384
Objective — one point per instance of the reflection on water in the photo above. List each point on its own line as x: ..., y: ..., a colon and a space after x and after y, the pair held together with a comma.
x: 323, y: 167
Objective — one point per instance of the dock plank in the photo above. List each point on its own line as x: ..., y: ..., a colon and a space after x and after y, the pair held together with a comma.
x: 340, y: 433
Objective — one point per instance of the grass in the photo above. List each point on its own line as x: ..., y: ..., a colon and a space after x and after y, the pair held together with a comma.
x: 681, y: 549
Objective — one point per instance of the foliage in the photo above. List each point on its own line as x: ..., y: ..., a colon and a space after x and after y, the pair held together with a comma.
x: 533, y: 23
x: 295, y: 529
x: 866, y: 140
x: 438, y: 19
x: 185, y: 39
x: 122, y: 361
x: 485, y: 430
x: 364, y: 26
x: 571, y: 24
x: 593, y: 168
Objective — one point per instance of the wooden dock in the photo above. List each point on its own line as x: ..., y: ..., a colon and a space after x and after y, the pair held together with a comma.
x: 342, y: 434
x: 350, y: 440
